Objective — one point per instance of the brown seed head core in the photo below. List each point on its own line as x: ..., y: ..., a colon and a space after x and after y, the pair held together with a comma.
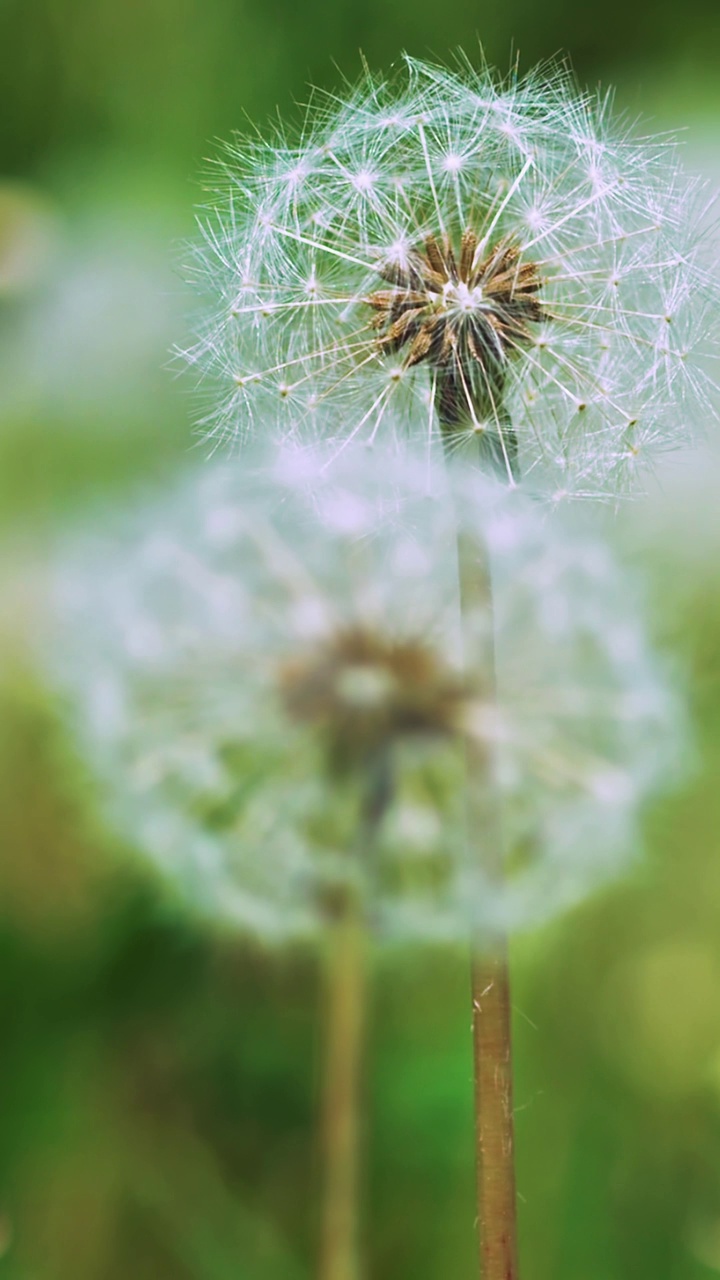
x: 466, y: 315
x: 365, y: 691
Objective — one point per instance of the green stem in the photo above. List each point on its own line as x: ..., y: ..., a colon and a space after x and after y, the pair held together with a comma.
x: 344, y: 1024
x: 490, y: 976
x: 345, y: 1018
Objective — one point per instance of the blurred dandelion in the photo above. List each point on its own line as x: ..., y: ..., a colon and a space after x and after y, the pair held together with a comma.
x: 294, y: 716
x: 271, y: 652
x: 449, y: 255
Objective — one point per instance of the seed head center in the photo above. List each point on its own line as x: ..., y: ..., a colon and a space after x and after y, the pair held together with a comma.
x: 364, y: 685
x: 457, y: 296
x: 457, y: 309
x: 366, y: 690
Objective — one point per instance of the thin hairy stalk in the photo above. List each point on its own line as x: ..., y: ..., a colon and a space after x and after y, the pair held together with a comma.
x: 490, y: 976
x: 497, y: 1217
x: 345, y: 1019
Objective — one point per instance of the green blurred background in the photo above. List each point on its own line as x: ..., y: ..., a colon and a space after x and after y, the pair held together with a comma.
x: 158, y: 1078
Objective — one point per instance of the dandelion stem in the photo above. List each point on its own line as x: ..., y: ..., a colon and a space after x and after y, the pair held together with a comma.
x: 346, y: 992
x: 494, y: 1116
x: 345, y: 1018
x: 490, y: 975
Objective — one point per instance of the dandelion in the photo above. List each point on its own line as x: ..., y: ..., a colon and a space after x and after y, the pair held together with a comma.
x: 499, y: 265
x: 448, y: 256
x: 273, y: 632
x: 273, y: 679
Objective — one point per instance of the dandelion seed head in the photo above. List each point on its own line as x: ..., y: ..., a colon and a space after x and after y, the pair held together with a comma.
x: 336, y: 269
x: 244, y: 653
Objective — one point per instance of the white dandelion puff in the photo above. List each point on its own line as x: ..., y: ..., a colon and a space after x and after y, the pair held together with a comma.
x: 264, y: 646
x: 447, y: 255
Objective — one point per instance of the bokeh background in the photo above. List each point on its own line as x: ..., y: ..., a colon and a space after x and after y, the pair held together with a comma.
x: 158, y: 1078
